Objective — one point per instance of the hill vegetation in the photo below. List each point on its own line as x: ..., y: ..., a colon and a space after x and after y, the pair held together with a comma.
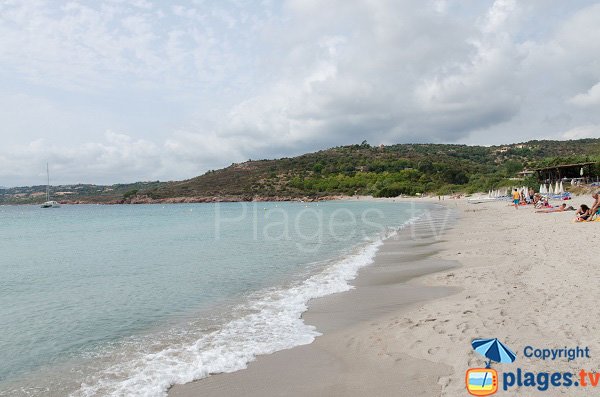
x: 382, y: 171
x: 79, y: 193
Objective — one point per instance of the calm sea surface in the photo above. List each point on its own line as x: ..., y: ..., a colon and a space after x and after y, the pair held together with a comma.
x: 128, y: 300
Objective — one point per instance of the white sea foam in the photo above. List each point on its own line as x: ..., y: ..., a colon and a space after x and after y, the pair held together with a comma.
x: 271, y: 323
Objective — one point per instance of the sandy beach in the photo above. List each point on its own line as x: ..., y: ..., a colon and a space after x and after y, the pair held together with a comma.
x: 523, y: 277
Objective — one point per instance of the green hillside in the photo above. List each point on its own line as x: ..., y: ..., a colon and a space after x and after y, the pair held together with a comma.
x: 382, y: 171
x: 347, y: 170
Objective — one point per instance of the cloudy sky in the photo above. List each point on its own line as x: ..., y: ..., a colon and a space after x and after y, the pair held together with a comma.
x: 126, y: 90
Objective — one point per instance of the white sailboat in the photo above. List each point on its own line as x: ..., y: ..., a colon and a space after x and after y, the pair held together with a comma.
x: 49, y: 203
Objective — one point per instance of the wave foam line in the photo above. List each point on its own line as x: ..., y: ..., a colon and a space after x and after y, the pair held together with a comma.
x: 274, y: 324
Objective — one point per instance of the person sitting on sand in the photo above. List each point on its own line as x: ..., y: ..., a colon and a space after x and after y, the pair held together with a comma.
x: 561, y: 208
x: 583, y: 214
x: 596, y: 206
x: 543, y: 203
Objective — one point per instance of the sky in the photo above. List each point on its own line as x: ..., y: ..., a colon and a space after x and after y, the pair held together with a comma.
x: 119, y: 91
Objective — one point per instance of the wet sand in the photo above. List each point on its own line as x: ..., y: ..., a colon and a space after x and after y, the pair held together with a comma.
x: 356, y: 355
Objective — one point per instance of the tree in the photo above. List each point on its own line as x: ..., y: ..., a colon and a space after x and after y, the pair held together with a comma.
x: 130, y: 193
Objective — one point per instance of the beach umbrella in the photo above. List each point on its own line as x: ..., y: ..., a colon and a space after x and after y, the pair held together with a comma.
x: 562, y: 189
x: 493, y: 350
x: 550, y: 190
x: 556, y: 188
x: 541, y: 188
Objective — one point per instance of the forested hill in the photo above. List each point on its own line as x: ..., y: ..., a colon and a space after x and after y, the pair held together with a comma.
x: 347, y: 170
x: 382, y: 170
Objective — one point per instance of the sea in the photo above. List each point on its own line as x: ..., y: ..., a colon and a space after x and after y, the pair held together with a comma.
x: 114, y: 300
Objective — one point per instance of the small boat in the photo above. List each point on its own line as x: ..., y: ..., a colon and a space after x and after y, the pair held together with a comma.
x: 49, y: 203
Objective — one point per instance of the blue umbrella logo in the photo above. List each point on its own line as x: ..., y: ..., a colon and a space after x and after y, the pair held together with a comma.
x: 493, y: 350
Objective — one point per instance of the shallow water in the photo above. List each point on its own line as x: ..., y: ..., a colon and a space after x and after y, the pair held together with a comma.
x: 114, y: 300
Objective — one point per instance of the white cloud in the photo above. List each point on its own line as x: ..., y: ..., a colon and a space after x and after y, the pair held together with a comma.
x: 199, y: 85
x: 589, y: 98
x: 498, y: 15
x: 118, y: 155
x: 584, y: 131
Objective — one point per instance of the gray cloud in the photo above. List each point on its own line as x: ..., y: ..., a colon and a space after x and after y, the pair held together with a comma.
x: 194, y: 87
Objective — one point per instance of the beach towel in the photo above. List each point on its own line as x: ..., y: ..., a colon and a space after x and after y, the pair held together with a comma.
x: 596, y: 219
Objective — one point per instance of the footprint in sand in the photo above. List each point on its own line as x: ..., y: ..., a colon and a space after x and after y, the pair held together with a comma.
x: 433, y: 351
x: 462, y: 327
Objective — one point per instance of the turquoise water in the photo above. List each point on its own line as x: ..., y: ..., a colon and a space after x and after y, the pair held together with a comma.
x: 114, y: 300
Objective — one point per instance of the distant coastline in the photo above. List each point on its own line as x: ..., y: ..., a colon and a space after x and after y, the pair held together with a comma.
x: 213, y: 199
x: 345, y: 171
x: 139, y: 200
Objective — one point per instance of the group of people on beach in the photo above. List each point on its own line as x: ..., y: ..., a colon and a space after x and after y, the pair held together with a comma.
x: 585, y: 213
x: 529, y: 197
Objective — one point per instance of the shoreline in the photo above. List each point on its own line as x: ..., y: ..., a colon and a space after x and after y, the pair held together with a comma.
x: 225, y: 199
x: 345, y: 260
x: 340, y: 362
x: 525, y: 278
x: 521, y: 276
x: 139, y: 200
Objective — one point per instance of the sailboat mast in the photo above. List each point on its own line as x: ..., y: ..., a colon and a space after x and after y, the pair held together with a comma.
x: 48, y: 185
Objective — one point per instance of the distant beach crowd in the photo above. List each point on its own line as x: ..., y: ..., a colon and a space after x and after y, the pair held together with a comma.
x: 584, y: 213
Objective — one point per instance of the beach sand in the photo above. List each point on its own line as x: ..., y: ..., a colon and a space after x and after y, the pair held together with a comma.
x: 523, y: 277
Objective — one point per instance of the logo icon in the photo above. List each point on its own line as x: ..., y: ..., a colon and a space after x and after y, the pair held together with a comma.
x: 484, y: 381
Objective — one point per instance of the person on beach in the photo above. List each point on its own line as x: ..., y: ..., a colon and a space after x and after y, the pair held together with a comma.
x: 596, y: 205
x: 516, y: 198
x: 561, y: 208
x: 583, y: 214
x: 543, y: 203
x: 531, y: 196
